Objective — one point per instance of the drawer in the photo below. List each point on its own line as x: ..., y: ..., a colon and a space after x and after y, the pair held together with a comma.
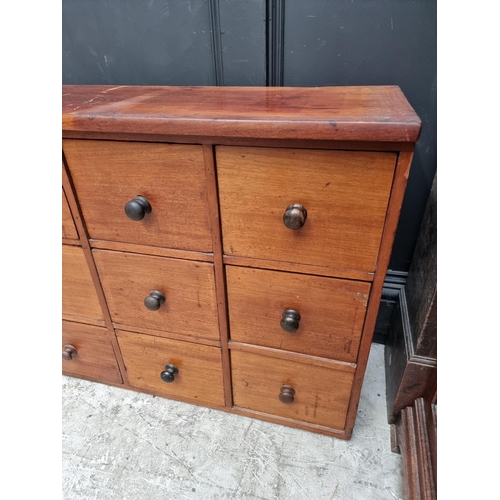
x: 187, y: 286
x: 345, y: 195
x: 93, y: 356
x: 321, y: 395
x: 330, y: 318
x: 79, y: 298
x: 68, y: 226
x: 198, y: 368
x: 107, y: 175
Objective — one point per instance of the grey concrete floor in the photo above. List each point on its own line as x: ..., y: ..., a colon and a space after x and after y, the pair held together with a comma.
x: 119, y: 444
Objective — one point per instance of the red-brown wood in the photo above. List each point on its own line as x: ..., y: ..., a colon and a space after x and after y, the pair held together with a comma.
x: 188, y: 286
x: 395, y: 202
x: 343, y: 118
x: 332, y: 311
x: 84, y: 241
x: 242, y: 141
x: 322, y: 394
x: 148, y: 250
x: 344, y: 193
x: 414, y: 436
x: 293, y: 267
x: 378, y: 113
x: 199, y: 367
x: 80, y: 301
x: 68, y: 226
x: 107, y: 175
x: 93, y: 354
x: 294, y: 356
x: 220, y: 287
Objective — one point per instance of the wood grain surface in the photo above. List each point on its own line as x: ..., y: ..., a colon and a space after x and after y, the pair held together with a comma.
x: 79, y: 298
x: 148, y: 250
x: 295, y: 267
x: 415, y: 436
x: 220, y: 282
x: 345, y: 194
x: 84, y: 241
x: 95, y: 358
x: 332, y: 311
x: 200, y: 368
x: 377, y: 113
x: 107, y: 175
x: 68, y: 226
x: 396, y: 200
x: 190, y: 307
x: 321, y: 394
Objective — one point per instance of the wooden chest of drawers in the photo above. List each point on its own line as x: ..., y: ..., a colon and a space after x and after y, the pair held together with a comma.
x: 228, y: 246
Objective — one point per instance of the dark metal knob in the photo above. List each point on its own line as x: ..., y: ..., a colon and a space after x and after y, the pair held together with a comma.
x: 169, y: 374
x: 287, y: 394
x: 295, y: 216
x: 290, y: 320
x: 137, y: 208
x: 154, y: 300
x: 69, y: 352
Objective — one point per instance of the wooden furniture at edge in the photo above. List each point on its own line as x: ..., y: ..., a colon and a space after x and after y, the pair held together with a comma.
x: 411, y: 364
x: 229, y: 245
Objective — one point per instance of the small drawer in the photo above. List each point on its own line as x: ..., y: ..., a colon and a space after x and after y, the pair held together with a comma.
x: 87, y: 352
x: 173, y: 368
x: 68, y: 226
x: 291, y: 389
x: 171, y: 178
x: 323, y: 208
x: 295, y: 312
x: 180, y: 292
x: 79, y: 298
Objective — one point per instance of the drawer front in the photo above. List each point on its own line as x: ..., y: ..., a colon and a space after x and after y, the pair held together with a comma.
x: 188, y: 287
x: 321, y: 394
x: 68, y: 226
x: 107, y: 175
x: 263, y: 306
x: 199, y: 368
x: 79, y: 298
x: 345, y: 195
x: 94, y: 357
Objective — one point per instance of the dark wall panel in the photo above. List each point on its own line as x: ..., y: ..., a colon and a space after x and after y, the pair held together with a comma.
x: 243, y: 36
x: 131, y: 42
x: 368, y: 42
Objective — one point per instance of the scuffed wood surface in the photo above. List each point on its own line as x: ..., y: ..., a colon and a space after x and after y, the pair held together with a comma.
x: 379, y: 113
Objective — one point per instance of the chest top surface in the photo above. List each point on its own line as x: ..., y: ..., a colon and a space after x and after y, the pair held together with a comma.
x: 377, y: 113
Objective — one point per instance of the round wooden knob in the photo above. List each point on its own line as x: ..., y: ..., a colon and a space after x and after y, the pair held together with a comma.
x: 169, y: 374
x: 290, y: 320
x: 137, y: 208
x: 154, y: 300
x: 287, y: 394
x: 295, y: 216
x: 69, y: 352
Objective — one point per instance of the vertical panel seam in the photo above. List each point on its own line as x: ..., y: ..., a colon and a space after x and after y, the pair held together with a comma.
x: 215, y: 31
x: 275, y: 29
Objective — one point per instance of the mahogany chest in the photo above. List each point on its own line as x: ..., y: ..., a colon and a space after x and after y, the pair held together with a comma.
x: 227, y: 246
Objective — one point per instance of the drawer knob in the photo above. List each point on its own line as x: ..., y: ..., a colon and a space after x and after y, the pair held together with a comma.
x: 154, y: 300
x: 69, y: 352
x: 137, y: 208
x: 295, y: 216
x: 290, y: 320
x: 169, y: 374
x: 287, y: 394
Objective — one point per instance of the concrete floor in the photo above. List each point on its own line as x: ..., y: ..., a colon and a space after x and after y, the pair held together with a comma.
x: 119, y: 444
